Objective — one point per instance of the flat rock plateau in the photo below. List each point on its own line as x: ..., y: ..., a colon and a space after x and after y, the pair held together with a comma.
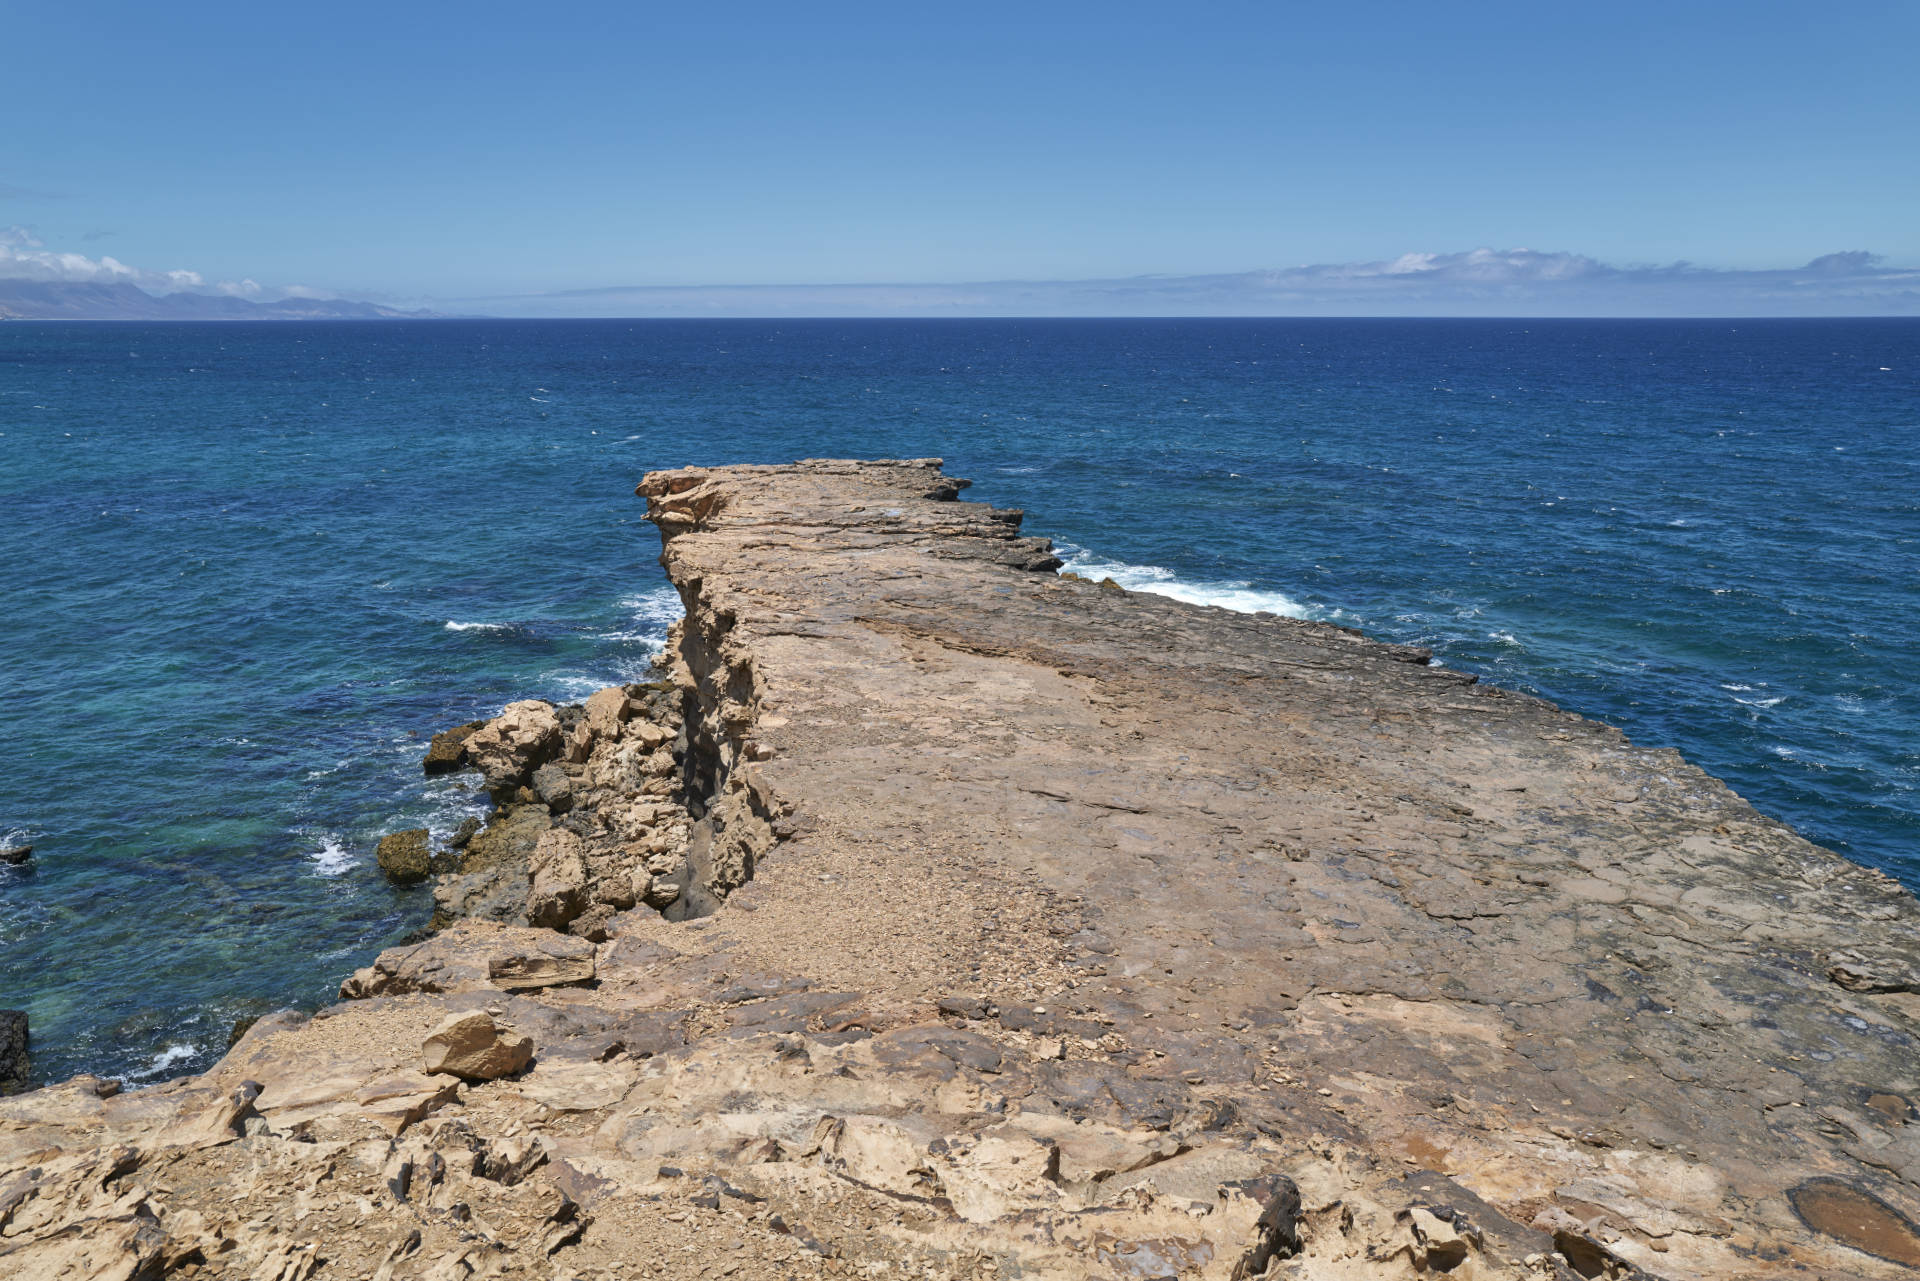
x: 937, y: 915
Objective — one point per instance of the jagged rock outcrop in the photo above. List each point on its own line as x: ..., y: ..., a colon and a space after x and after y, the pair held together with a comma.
x: 447, y: 750
x: 630, y: 812
x: 1019, y: 926
x: 507, y: 749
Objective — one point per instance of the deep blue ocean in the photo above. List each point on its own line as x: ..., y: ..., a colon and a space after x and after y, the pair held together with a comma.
x: 250, y: 568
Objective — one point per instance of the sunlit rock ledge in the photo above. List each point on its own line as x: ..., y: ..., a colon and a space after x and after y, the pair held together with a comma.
x: 950, y: 914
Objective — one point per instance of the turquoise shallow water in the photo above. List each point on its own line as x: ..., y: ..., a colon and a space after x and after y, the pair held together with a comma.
x: 250, y: 567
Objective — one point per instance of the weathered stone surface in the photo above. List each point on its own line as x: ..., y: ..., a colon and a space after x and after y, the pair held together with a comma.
x: 554, y: 788
x: 475, y: 1048
x: 560, y: 890
x: 607, y: 712
x: 1310, y: 858
x: 1038, y: 928
x: 471, y: 957
x: 405, y: 857
x: 508, y: 748
x: 492, y: 880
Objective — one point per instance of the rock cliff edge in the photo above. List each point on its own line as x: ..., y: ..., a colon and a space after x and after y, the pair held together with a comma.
x: 937, y: 915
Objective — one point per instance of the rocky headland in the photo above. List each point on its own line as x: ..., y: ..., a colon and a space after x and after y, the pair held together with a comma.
x: 937, y: 915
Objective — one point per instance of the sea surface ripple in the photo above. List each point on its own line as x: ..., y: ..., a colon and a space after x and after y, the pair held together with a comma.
x: 251, y: 567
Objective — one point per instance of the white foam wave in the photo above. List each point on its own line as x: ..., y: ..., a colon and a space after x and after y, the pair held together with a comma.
x: 456, y: 626
x: 1505, y: 638
x: 572, y: 687
x: 165, y: 1061
x: 1238, y: 595
x: 648, y: 617
x: 333, y: 858
x: 1760, y: 702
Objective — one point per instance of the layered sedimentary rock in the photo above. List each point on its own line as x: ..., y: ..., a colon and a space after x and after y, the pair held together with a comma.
x: 1028, y: 927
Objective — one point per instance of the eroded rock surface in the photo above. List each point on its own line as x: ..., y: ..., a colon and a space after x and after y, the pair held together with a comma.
x: 943, y: 913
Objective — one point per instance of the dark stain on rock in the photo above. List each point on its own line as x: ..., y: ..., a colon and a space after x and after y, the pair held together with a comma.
x: 1857, y: 1218
x: 1892, y: 1106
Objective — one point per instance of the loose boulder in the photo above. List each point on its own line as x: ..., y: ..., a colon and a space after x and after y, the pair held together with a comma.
x: 475, y: 1048
x: 554, y: 788
x: 14, y: 1063
x: 448, y: 750
x: 17, y: 855
x: 607, y: 711
x: 559, y: 871
x: 405, y: 856
x: 508, y: 748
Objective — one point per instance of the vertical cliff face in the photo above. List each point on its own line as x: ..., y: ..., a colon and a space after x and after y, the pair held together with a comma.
x: 942, y: 913
x: 732, y: 808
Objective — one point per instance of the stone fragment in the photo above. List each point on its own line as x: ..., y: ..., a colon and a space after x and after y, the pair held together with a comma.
x: 468, y: 829
x: 559, y: 891
x: 447, y: 751
x: 595, y: 924
x: 15, y: 855
x: 962, y: 1007
x: 617, y: 892
x: 607, y: 712
x: 554, y: 788
x: 405, y: 856
x: 649, y: 735
x: 475, y: 1048
x: 508, y: 748
x: 655, y: 891
x: 551, y: 962
x: 508, y: 1161
x: 469, y: 957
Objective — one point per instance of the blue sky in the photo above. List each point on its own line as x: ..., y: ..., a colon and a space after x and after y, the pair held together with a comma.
x: 486, y: 152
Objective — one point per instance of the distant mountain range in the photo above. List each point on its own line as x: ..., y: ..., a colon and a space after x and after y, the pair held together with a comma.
x: 89, y: 300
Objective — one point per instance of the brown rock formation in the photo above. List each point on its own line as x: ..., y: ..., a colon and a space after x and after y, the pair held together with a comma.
x: 1024, y: 926
x: 447, y: 751
x: 404, y: 857
x: 475, y: 1048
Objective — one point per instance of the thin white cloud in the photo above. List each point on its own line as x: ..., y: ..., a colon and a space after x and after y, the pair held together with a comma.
x: 24, y: 256
x: 1487, y: 282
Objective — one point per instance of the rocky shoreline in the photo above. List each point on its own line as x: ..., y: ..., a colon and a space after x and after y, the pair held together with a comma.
x: 937, y: 915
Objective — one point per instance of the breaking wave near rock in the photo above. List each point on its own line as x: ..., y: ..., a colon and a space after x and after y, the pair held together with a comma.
x: 1239, y: 595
